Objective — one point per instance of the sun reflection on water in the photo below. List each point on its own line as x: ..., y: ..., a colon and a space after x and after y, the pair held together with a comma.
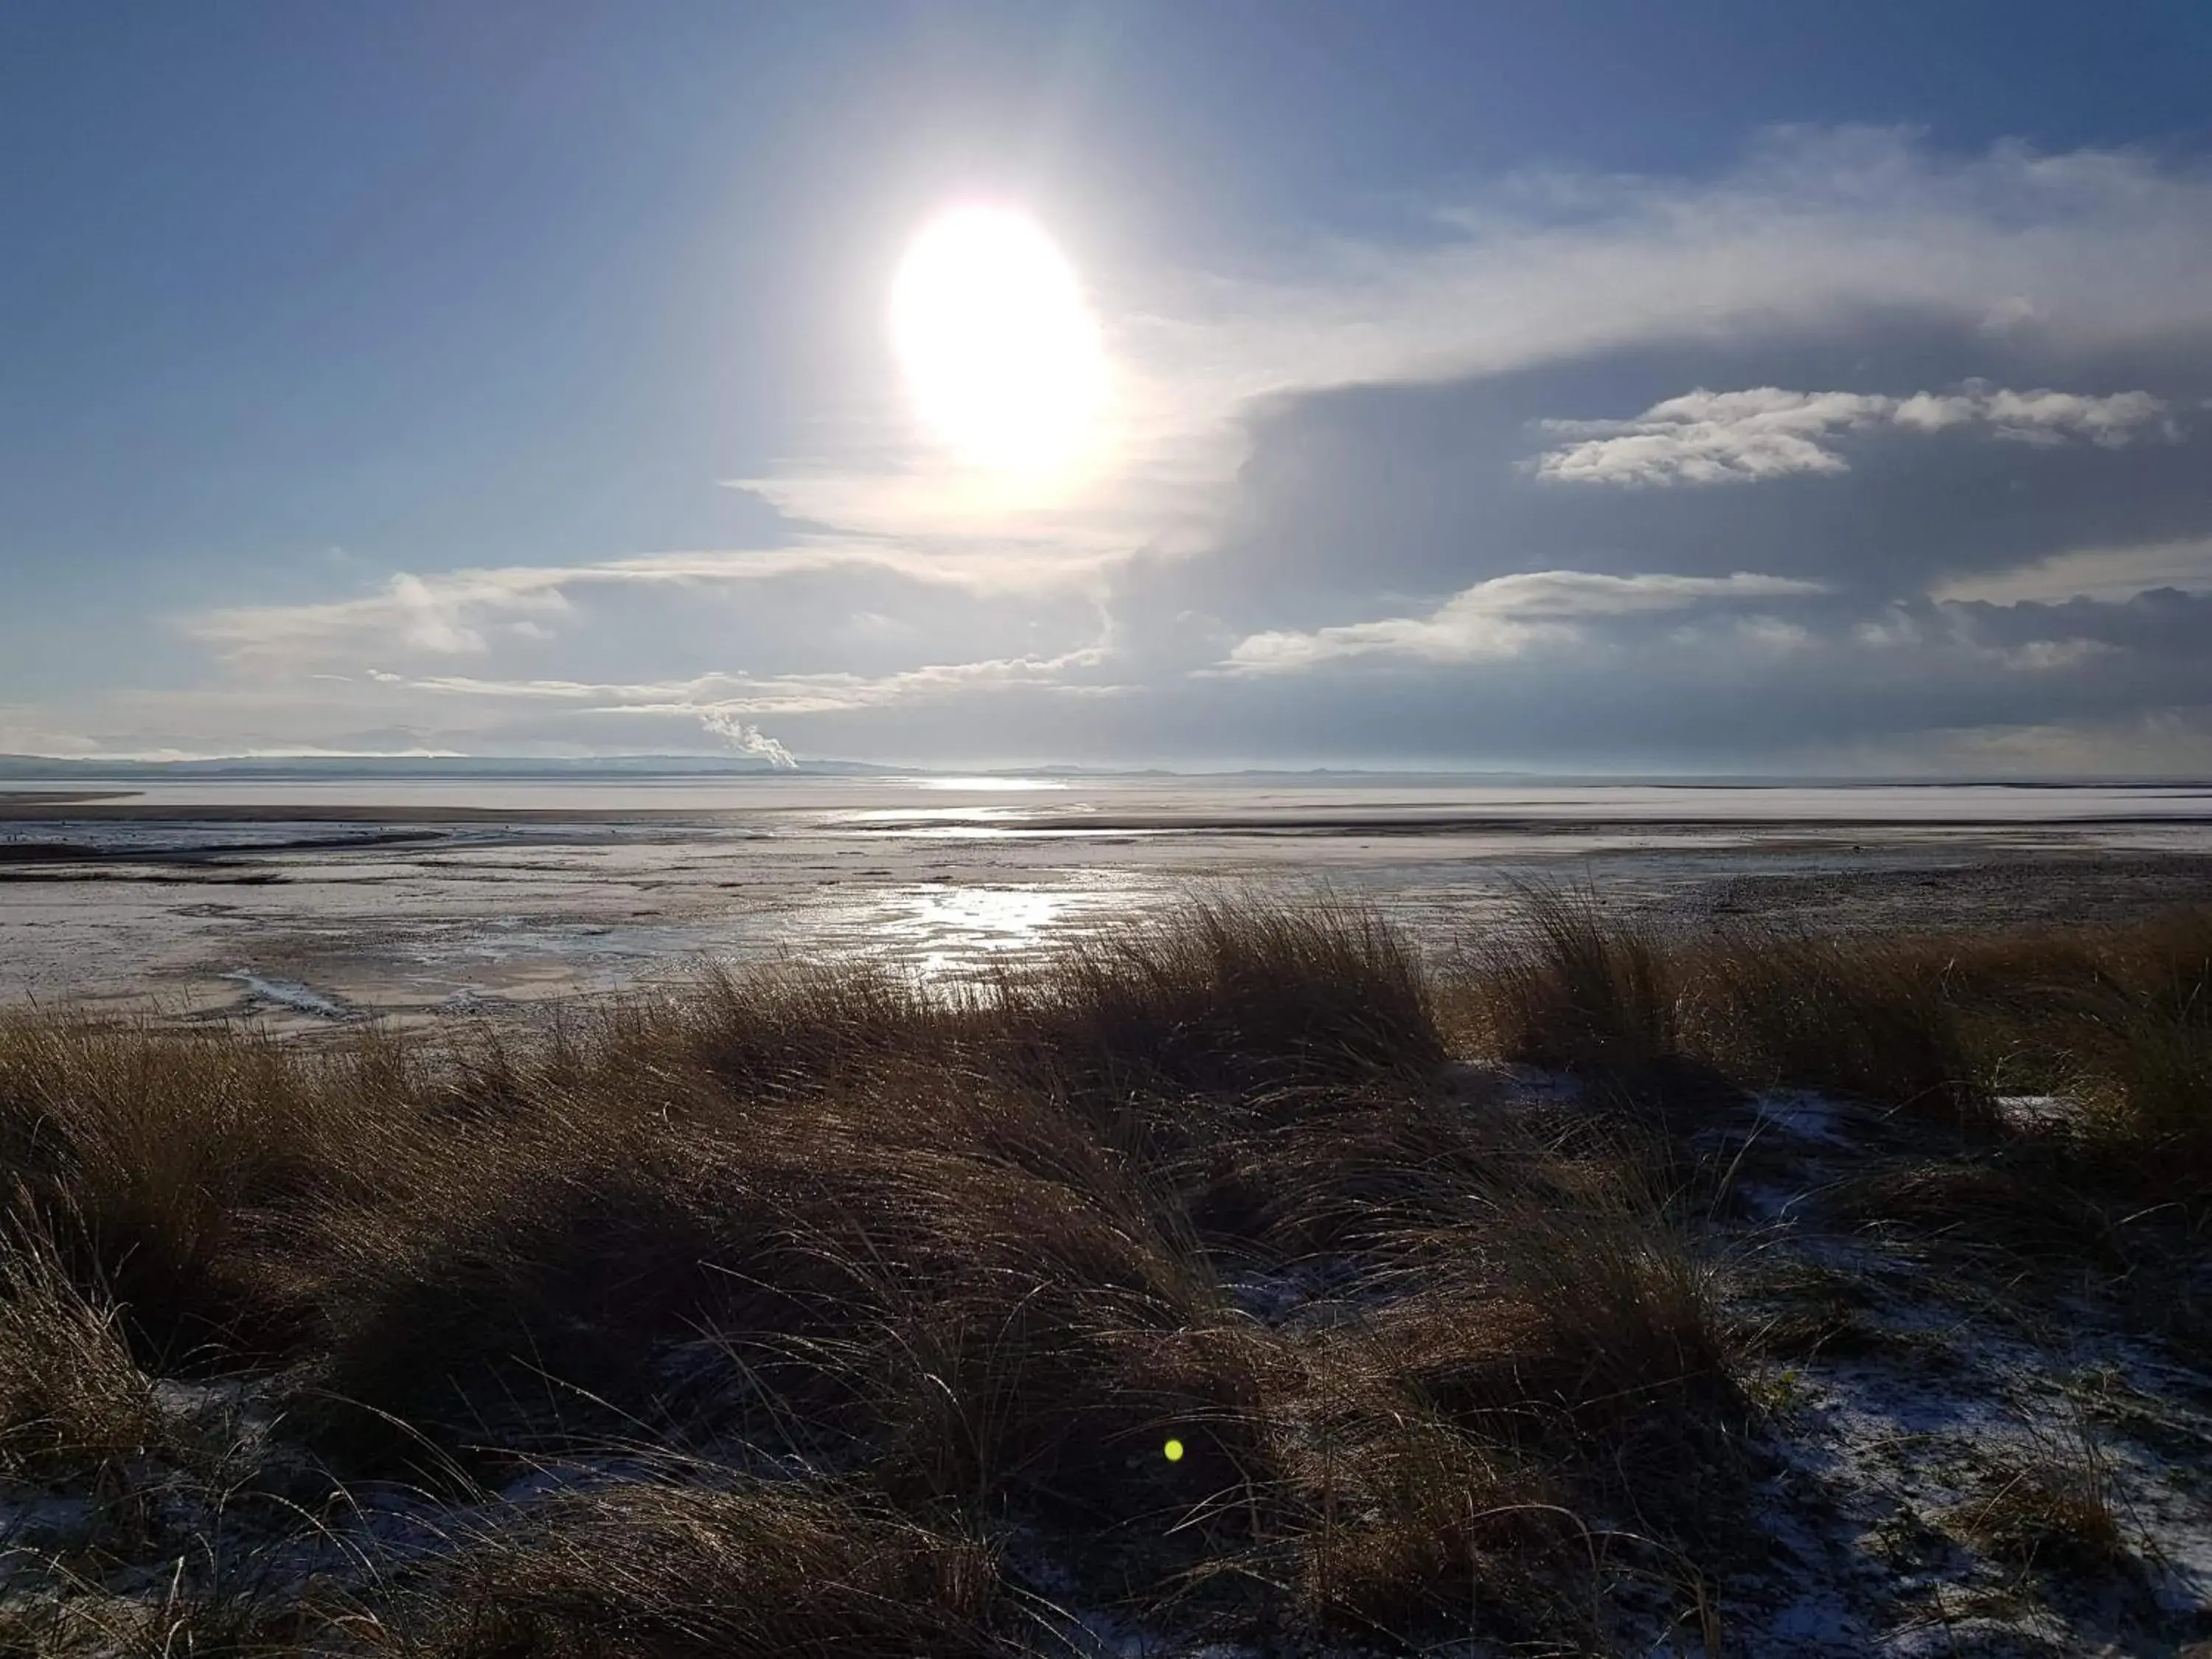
x: 989, y: 784
x: 954, y: 930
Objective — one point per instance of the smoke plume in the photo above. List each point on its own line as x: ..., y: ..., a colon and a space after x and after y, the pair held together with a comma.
x: 747, y: 739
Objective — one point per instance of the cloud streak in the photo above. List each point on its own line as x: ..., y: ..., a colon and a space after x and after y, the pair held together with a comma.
x: 466, y: 613
x: 719, y: 700
x: 1743, y: 437
x: 1505, y: 616
x: 2098, y: 573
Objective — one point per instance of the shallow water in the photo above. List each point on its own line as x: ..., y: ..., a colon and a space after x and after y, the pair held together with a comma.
x: 319, y: 898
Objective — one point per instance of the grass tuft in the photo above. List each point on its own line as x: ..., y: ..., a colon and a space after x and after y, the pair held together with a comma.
x: 72, y: 1399
x: 660, y: 1569
x: 1875, y: 1022
x: 1581, y: 991
x: 1224, y: 995
x: 2051, y: 1508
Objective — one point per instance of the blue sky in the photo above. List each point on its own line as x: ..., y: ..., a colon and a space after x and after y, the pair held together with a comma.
x: 1579, y: 384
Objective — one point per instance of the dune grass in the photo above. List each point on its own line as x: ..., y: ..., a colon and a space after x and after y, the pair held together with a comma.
x: 661, y: 1567
x: 72, y: 1399
x: 2051, y: 1506
x: 1877, y: 1023
x: 1933, y: 1029
x: 874, y: 1309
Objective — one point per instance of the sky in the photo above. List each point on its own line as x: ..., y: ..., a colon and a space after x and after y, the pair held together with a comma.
x: 1586, y: 387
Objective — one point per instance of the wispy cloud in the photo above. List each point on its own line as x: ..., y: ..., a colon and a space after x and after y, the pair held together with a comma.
x: 1507, y: 616
x: 451, y: 615
x: 2090, y: 573
x: 1742, y: 437
x: 465, y: 612
x: 728, y: 697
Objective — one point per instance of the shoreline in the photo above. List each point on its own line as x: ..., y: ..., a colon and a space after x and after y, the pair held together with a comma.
x: 385, y: 933
x: 447, y: 901
x: 898, y: 821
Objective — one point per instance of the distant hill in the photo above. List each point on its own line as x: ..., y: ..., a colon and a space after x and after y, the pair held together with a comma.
x: 14, y: 768
x: 42, y: 768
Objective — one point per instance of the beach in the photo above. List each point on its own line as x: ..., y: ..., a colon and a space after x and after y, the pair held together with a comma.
x: 303, y: 901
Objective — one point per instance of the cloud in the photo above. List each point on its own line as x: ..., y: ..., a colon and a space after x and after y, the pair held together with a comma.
x: 1505, y: 616
x: 2106, y: 574
x: 429, y: 621
x: 441, y: 616
x: 464, y: 612
x: 1335, y: 432
x: 2037, y: 417
x: 1810, y: 226
x: 1706, y: 437
x: 1742, y: 437
x: 25, y: 729
x: 719, y: 699
x: 2154, y: 743
x: 2047, y: 656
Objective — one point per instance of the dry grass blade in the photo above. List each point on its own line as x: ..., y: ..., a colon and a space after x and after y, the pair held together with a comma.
x: 2050, y: 1507
x: 72, y: 1399
x: 1873, y: 1021
x: 1223, y: 996
x: 1578, y: 989
x: 659, y: 1569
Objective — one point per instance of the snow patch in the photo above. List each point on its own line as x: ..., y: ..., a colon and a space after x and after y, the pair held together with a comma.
x: 1801, y: 1114
x: 2035, y: 1111
x: 289, y: 993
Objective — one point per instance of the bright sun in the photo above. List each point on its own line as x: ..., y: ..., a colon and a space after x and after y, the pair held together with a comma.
x: 1001, y: 355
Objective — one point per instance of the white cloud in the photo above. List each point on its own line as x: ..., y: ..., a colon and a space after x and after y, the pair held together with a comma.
x: 2094, y: 247
x: 463, y: 612
x: 2049, y: 656
x: 2108, y: 573
x: 2037, y: 417
x: 1742, y: 437
x: 27, y: 730
x: 436, y: 616
x: 1773, y: 634
x: 1895, y: 629
x: 1505, y: 616
x: 719, y: 700
x: 446, y: 713
x: 429, y: 621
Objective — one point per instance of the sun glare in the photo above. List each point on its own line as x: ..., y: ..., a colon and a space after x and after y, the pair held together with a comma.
x: 1002, y: 356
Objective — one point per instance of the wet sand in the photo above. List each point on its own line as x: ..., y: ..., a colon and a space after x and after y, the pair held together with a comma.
x: 2054, y: 889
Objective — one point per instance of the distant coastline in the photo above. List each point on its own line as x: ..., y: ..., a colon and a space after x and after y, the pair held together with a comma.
x: 60, y: 769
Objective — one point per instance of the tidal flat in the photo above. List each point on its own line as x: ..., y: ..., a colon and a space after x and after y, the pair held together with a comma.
x: 314, y: 901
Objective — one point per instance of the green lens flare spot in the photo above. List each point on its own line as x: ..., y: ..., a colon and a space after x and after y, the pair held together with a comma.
x: 1174, y: 1449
